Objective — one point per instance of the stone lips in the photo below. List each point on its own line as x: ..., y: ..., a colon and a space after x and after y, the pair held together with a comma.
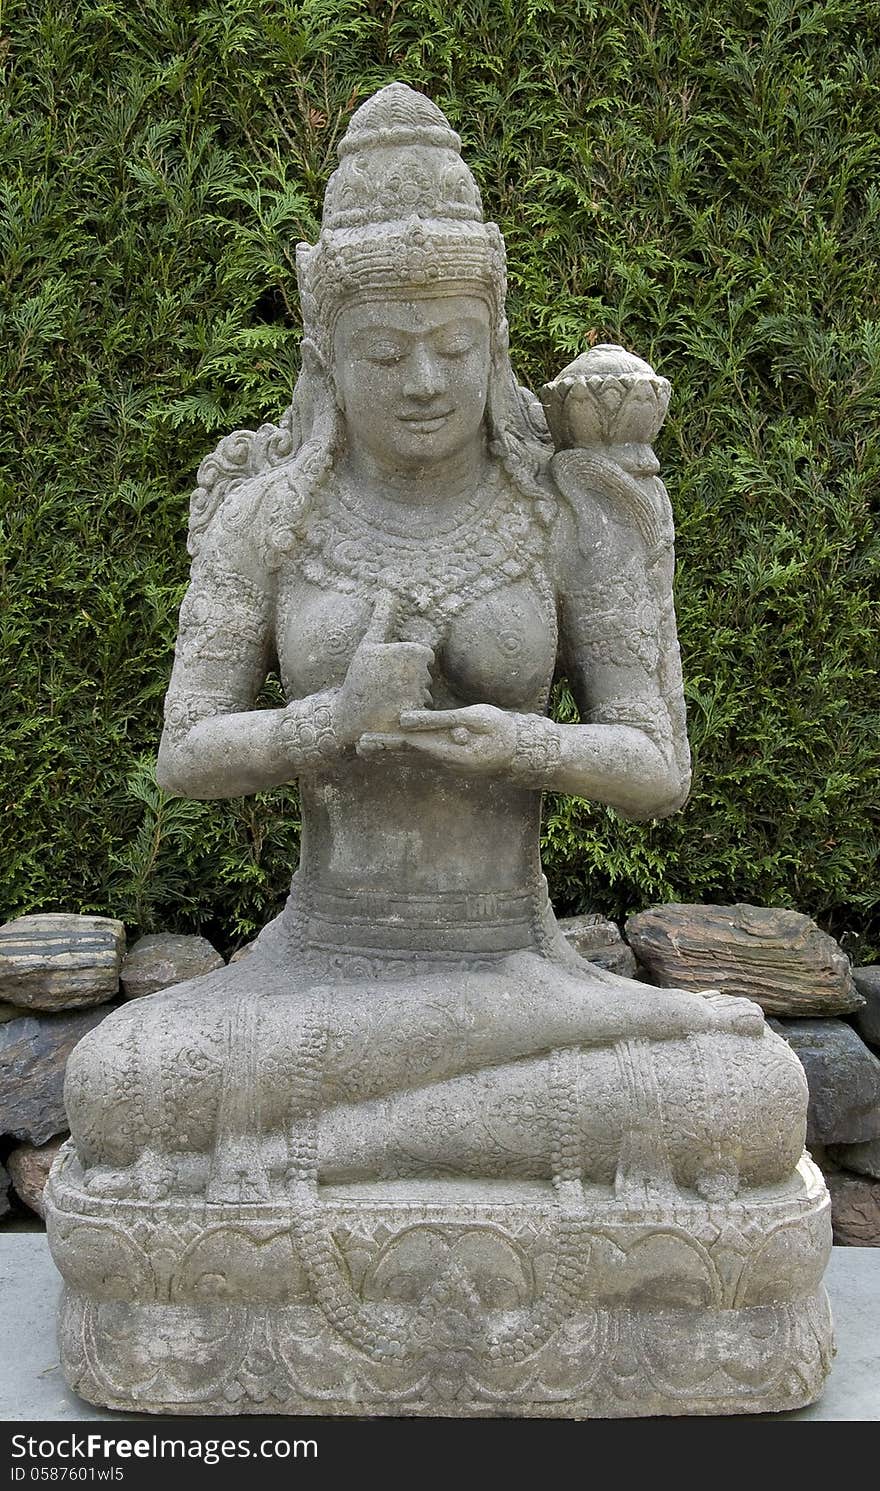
x: 435, y: 1299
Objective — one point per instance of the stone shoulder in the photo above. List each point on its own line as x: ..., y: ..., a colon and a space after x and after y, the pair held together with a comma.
x: 235, y: 539
x: 606, y: 518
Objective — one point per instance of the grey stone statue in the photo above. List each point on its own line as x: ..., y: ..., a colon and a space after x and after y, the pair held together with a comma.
x: 413, y: 1155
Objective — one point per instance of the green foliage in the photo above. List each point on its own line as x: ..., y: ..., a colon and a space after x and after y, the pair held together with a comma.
x: 697, y: 180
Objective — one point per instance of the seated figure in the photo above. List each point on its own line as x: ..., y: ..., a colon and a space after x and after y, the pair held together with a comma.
x: 411, y: 1056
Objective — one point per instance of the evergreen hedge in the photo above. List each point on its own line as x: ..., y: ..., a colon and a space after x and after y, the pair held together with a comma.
x: 696, y: 180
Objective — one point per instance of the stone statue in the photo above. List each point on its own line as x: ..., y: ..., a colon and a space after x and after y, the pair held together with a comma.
x: 413, y: 1155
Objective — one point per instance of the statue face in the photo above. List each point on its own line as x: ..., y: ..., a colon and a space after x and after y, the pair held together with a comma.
x: 412, y: 376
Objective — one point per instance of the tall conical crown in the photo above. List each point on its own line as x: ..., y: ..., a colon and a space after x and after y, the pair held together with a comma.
x: 401, y: 211
x: 398, y: 115
x: 399, y: 158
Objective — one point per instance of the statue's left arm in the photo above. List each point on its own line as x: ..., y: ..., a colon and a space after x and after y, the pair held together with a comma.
x: 613, y: 563
x: 618, y: 642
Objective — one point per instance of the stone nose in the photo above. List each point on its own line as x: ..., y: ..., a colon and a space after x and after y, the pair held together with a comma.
x: 424, y: 375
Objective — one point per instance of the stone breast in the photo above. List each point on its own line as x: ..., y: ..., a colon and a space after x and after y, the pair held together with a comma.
x: 499, y: 649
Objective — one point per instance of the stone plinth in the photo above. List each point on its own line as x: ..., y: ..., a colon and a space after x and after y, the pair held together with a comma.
x: 445, y: 1298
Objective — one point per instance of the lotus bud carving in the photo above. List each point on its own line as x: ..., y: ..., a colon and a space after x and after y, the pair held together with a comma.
x: 607, y: 396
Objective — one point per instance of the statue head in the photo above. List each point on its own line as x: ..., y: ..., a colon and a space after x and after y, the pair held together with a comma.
x: 404, y: 260
x: 411, y: 377
x: 405, y: 264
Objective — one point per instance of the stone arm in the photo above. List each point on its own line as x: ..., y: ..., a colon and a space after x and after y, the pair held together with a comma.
x: 215, y: 744
x: 618, y: 645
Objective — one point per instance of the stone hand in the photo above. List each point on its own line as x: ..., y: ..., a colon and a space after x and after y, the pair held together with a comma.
x: 383, y: 678
x: 478, y: 739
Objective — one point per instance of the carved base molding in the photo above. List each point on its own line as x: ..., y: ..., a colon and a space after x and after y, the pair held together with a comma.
x: 447, y: 1299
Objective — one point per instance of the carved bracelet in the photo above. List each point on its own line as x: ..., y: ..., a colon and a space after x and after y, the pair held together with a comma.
x: 307, y: 732
x: 538, y: 750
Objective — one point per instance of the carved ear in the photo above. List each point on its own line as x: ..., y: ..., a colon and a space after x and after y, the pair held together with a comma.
x: 314, y: 380
x: 316, y: 370
x: 312, y: 361
x: 501, y: 340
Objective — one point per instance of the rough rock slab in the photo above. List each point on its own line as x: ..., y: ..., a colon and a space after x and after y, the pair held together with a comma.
x: 867, y: 1019
x: 164, y: 958
x: 855, y: 1209
x: 60, y: 961
x: 843, y: 1077
x: 599, y: 941
x: 33, y: 1056
x: 29, y: 1166
x: 778, y: 958
x: 864, y: 1159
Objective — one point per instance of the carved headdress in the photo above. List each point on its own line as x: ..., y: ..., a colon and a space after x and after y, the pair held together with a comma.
x: 402, y: 212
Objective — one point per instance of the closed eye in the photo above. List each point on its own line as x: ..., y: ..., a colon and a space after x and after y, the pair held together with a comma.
x: 385, y: 353
x: 457, y: 348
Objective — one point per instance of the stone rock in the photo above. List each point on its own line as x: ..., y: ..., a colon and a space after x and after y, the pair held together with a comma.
x: 164, y: 958
x: 60, y: 961
x: 843, y: 1077
x: 863, y: 1158
x: 855, y: 1209
x: 9, y: 1012
x: 29, y: 1167
x: 867, y: 1019
x: 599, y: 941
x: 778, y: 958
x: 4, y: 1191
x: 33, y: 1058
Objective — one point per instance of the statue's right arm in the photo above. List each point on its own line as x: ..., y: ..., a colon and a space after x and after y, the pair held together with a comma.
x: 215, y: 744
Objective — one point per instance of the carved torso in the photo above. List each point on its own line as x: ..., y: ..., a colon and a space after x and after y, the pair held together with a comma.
x: 406, y: 856
x: 474, y: 584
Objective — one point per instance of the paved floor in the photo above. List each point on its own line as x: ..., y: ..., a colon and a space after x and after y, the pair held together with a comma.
x: 31, y: 1385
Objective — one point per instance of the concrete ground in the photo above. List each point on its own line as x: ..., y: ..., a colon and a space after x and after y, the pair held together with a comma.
x: 31, y: 1385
